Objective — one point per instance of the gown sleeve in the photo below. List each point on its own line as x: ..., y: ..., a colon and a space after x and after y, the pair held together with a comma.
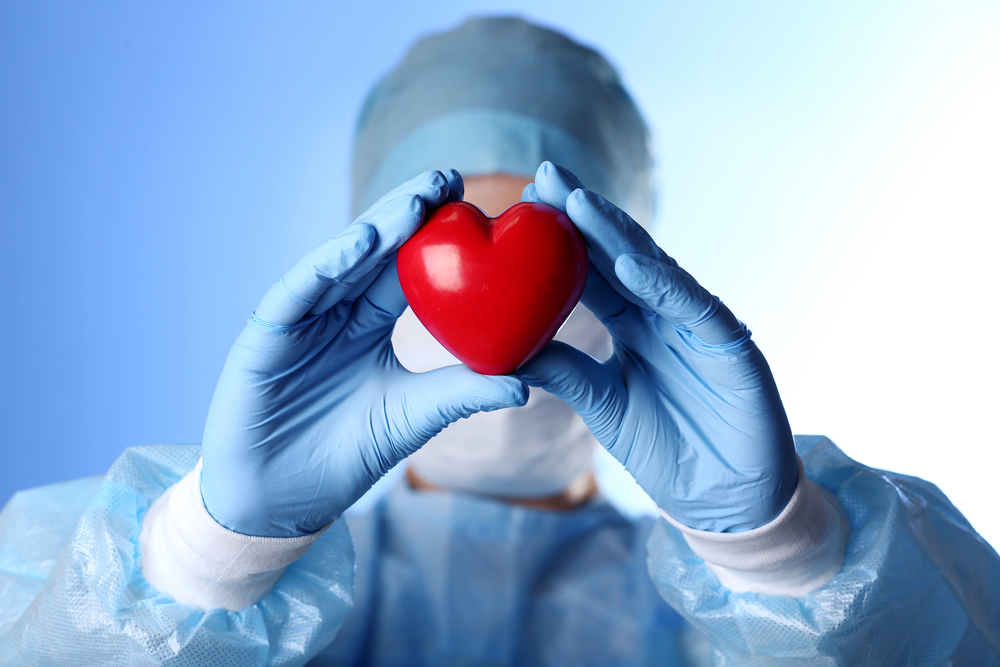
x: 73, y: 592
x: 918, y: 585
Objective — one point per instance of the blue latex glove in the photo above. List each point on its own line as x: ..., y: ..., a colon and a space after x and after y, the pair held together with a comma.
x: 313, y: 407
x: 687, y: 402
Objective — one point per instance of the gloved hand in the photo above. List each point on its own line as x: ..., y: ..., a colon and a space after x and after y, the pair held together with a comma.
x: 313, y: 407
x: 687, y: 402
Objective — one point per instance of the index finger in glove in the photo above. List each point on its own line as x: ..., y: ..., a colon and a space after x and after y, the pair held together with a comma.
x: 631, y: 263
x: 553, y: 184
x: 328, y: 273
x: 433, y: 188
x: 640, y: 271
x: 611, y: 233
x: 608, y: 231
x: 674, y: 295
x: 295, y: 292
x: 395, y: 218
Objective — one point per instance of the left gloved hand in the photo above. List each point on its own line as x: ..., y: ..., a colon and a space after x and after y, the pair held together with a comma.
x: 687, y: 402
x: 313, y: 407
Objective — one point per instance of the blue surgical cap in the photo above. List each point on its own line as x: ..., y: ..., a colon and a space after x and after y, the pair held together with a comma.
x: 501, y: 95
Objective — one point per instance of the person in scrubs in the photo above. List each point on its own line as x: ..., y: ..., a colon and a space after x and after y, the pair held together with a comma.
x: 497, y: 547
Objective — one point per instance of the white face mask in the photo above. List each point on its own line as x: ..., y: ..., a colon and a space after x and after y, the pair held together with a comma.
x: 530, y: 452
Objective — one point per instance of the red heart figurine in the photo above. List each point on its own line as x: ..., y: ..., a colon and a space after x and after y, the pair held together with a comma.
x: 494, y: 291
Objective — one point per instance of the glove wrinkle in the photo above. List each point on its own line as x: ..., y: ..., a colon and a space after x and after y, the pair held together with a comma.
x: 699, y: 423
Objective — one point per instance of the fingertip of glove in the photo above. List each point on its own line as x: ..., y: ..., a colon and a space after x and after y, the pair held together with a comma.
x: 551, y: 187
x: 631, y: 270
x: 629, y: 259
x: 549, y: 169
x: 455, y: 183
x: 529, y: 194
x: 545, y: 170
x: 360, y: 235
x: 521, y: 393
x: 416, y: 206
x: 511, y: 390
x: 646, y: 278
x: 513, y: 386
x: 582, y: 204
x: 435, y: 187
x: 583, y: 197
x: 436, y: 178
x: 480, y: 392
x: 640, y: 267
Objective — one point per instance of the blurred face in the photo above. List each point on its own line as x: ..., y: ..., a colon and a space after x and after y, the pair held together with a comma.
x: 495, y: 193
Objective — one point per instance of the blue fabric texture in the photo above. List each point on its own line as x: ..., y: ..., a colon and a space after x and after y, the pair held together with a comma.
x: 918, y: 586
x: 454, y: 579
x: 72, y: 592
x: 500, y: 95
x: 447, y: 578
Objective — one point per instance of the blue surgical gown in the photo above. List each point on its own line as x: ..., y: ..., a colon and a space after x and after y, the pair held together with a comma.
x: 445, y: 578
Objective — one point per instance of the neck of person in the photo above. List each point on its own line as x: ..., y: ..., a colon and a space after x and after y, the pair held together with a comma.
x: 574, y: 496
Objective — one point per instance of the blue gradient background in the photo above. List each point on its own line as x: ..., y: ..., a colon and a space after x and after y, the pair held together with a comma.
x: 830, y: 169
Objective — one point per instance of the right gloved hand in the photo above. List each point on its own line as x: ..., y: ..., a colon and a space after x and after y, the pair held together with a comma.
x: 687, y: 402
x: 313, y: 407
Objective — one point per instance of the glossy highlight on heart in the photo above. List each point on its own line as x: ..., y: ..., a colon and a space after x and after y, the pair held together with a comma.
x: 494, y: 291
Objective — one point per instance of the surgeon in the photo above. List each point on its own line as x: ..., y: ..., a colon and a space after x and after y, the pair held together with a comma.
x: 498, y: 547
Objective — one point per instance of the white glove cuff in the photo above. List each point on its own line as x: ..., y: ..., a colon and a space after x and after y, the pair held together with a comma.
x: 799, y: 551
x: 187, y: 555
